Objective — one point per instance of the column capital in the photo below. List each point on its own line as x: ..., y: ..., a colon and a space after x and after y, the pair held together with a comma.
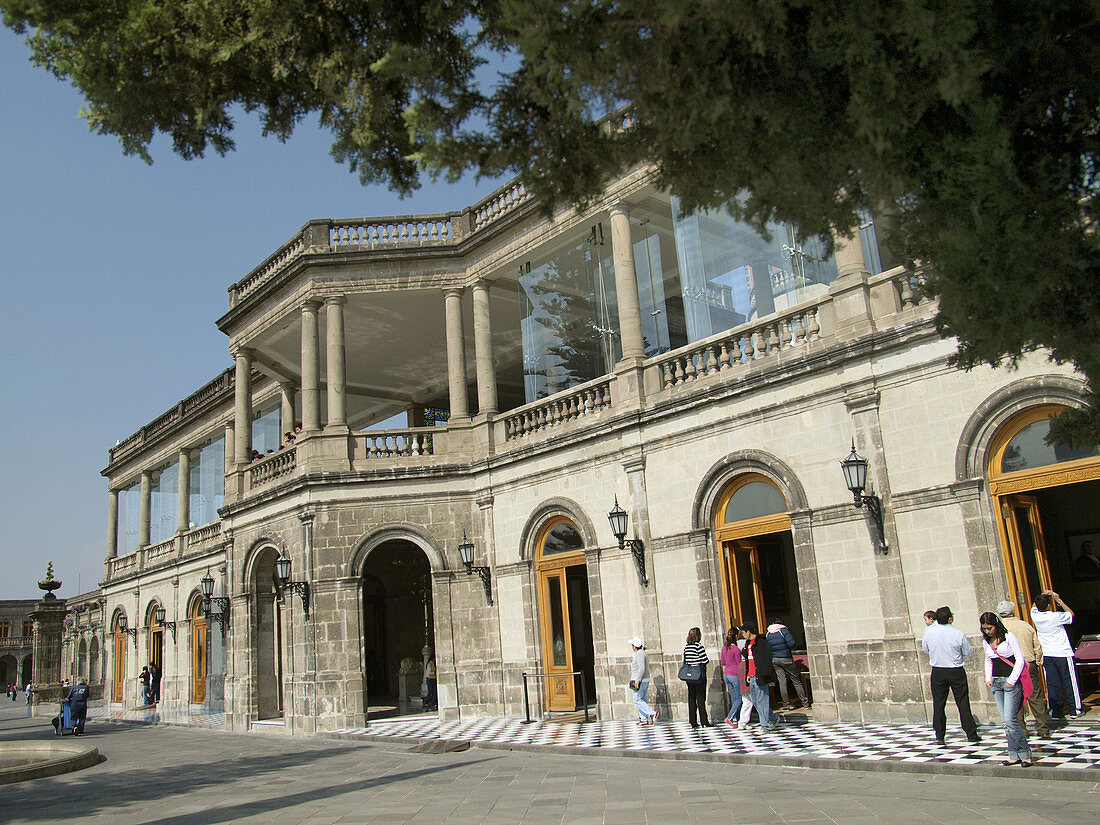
x: 335, y: 299
x: 453, y: 291
x: 242, y: 352
x: 619, y: 208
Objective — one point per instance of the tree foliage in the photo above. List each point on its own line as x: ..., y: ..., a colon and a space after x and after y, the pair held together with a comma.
x: 971, y: 126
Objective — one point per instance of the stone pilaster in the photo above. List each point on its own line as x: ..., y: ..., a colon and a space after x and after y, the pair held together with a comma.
x: 336, y: 365
x: 456, y: 355
x: 311, y: 368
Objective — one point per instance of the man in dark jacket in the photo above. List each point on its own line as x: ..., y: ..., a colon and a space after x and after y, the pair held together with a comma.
x: 761, y: 674
x: 782, y: 644
x: 78, y: 706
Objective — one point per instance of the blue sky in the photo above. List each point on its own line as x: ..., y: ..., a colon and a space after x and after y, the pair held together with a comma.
x: 113, y: 274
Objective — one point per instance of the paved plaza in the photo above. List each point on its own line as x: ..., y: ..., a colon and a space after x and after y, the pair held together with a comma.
x: 182, y: 775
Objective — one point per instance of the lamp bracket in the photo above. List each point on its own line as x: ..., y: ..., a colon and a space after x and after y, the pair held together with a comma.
x: 222, y: 616
x: 874, y: 507
x: 637, y: 550
x: 486, y: 579
x: 302, y: 589
x: 170, y: 626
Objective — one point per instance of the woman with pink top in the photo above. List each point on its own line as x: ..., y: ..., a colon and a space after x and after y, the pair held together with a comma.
x: 731, y: 674
x: 1004, y: 665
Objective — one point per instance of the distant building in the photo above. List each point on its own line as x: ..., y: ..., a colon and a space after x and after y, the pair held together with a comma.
x: 16, y: 641
x: 493, y: 381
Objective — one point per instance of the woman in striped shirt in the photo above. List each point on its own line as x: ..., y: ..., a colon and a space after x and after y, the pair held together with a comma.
x: 695, y: 654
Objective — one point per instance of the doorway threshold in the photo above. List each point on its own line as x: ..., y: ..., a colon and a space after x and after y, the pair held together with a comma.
x: 268, y: 726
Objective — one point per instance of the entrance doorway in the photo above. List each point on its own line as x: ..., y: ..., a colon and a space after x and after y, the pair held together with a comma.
x: 119, y: 680
x: 565, y: 616
x: 156, y: 645
x: 398, y: 624
x: 268, y: 634
x: 756, y: 554
x: 1047, y: 501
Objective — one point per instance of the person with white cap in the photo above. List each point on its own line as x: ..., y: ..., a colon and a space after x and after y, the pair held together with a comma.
x: 639, y: 683
x: 1033, y: 653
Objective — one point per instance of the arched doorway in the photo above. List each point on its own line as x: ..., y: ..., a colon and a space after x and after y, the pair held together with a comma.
x: 267, y: 631
x: 756, y: 553
x: 119, y: 680
x: 398, y: 627
x: 156, y: 643
x: 27, y: 670
x: 82, y: 660
x: 199, y: 652
x: 8, y: 670
x: 1047, y: 499
x: 565, y: 616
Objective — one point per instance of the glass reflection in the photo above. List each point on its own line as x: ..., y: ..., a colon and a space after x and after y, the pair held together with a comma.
x: 1028, y: 448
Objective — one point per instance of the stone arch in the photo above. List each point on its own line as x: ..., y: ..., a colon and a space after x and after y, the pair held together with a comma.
x: 119, y: 613
x: 150, y: 610
x: 255, y: 553
x: 407, y: 532
x: 976, y: 438
x: 9, y: 668
x: 557, y: 506
x: 95, y: 676
x: 82, y: 668
x: 722, y: 472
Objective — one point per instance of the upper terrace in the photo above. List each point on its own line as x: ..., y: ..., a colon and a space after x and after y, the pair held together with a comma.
x: 512, y: 328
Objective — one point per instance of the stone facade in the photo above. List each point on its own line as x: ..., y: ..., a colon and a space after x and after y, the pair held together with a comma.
x: 16, y: 641
x: 371, y: 521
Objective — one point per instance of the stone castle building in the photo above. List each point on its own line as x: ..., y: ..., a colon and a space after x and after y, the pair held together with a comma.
x: 496, y: 381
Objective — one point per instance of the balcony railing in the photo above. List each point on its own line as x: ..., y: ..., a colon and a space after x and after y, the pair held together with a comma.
x: 548, y: 413
x: 203, y: 535
x: 272, y: 467
x: 404, y: 443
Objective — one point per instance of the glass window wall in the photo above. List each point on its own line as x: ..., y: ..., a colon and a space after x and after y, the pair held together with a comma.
x: 265, y: 432
x: 207, y: 486
x: 570, y: 322
x: 129, y: 514
x: 164, y: 505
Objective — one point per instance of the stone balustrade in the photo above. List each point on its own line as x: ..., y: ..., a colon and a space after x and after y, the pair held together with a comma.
x: 570, y: 405
x: 160, y: 552
x: 272, y: 467
x: 404, y: 443
x: 740, y: 346
x: 908, y: 285
x: 122, y: 566
x: 203, y: 535
x: 500, y: 203
x: 273, y: 265
x: 416, y: 229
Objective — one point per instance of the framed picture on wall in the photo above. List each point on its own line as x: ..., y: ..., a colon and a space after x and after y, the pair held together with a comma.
x: 1084, y: 554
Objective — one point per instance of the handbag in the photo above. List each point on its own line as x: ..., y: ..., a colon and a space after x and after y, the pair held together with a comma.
x: 690, y: 673
x: 1025, y: 675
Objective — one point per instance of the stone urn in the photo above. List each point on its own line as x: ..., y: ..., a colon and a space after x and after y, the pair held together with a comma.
x: 49, y: 584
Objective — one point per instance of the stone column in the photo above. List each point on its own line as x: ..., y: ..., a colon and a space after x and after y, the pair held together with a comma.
x: 112, y: 524
x: 311, y: 369
x: 242, y: 409
x: 483, y: 351
x: 183, y: 508
x: 336, y: 365
x: 48, y: 616
x: 850, y: 292
x: 229, y: 447
x: 626, y: 285
x: 286, y: 408
x: 456, y: 355
x: 146, y: 507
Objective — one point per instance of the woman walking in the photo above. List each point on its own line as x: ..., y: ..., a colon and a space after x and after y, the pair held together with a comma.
x: 731, y: 674
x: 639, y: 683
x: 1004, y: 666
x: 695, y: 654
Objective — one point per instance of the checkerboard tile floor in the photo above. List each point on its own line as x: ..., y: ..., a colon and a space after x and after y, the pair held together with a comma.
x: 195, y: 716
x: 1074, y: 747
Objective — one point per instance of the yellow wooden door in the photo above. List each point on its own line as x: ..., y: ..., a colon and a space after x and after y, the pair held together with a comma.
x: 744, y: 597
x: 120, y: 666
x: 557, y: 642
x: 1025, y: 556
x: 198, y: 660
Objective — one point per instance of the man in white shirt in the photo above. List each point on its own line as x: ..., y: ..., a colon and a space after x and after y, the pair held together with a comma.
x: 1058, y: 664
x: 947, y: 648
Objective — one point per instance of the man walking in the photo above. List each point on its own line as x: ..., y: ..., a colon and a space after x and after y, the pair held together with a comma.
x: 78, y: 706
x: 1033, y: 653
x: 761, y: 674
x: 1058, y: 664
x: 947, y: 648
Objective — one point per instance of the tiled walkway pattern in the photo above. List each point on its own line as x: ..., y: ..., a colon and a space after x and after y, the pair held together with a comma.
x: 1075, y: 747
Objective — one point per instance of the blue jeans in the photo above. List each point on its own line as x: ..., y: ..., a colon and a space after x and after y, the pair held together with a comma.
x: 1009, y: 698
x: 733, y: 685
x: 644, y: 710
x: 762, y: 701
